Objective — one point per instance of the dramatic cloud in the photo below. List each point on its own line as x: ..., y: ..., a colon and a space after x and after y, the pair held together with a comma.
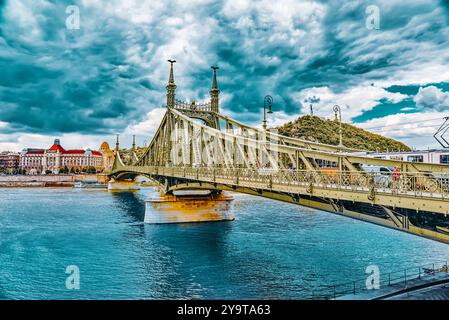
x: 432, y: 98
x: 109, y: 75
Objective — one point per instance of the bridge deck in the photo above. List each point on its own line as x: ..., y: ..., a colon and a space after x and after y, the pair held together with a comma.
x: 404, y: 193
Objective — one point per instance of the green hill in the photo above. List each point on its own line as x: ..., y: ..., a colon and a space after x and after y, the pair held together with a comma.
x: 125, y: 154
x: 326, y: 131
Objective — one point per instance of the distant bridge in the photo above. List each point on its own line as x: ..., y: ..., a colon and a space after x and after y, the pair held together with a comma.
x: 196, y: 147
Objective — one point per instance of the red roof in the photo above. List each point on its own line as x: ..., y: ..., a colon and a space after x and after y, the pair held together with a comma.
x: 96, y: 153
x: 57, y: 147
x: 36, y: 151
x: 73, y: 151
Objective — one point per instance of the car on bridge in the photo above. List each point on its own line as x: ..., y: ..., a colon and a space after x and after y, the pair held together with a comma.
x: 383, y: 176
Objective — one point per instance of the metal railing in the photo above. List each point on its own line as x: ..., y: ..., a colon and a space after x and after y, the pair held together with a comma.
x: 416, y: 184
x: 182, y: 105
x: 399, y: 279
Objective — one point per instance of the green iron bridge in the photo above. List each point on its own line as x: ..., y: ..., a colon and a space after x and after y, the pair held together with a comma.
x: 196, y: 147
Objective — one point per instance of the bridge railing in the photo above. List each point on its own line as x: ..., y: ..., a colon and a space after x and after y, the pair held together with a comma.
x: 399, y: 280
x: 416, y: 184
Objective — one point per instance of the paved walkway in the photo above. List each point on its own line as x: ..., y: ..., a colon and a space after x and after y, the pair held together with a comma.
x: 439, y: 292
x: 430, y: 287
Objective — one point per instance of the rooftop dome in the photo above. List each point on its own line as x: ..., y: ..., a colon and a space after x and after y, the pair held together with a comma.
x: 105, y: 146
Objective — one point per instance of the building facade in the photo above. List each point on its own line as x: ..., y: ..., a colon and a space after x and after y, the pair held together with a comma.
x: 108, y: 156
x: 9, y: 162
x: 56, y: 160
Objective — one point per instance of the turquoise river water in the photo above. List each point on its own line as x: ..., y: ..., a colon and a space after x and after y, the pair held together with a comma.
x: 272, y: 250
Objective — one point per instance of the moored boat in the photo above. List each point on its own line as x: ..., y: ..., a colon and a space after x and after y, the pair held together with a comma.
x: 90, y: 185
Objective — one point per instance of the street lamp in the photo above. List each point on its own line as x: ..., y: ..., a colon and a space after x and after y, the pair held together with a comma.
x: 267, y: 101
x: 337, y: 109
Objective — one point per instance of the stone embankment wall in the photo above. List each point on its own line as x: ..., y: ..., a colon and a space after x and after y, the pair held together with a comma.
x: 60, y: 180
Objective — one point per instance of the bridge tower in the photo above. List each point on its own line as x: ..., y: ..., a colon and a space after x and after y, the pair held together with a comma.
x: 207, y: 112
x: 214, y: 92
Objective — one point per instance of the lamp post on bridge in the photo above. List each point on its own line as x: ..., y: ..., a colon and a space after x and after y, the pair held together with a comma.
x: 337, y: 111
x: 267, y: 101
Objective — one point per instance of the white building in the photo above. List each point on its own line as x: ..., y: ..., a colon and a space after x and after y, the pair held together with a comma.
x: 57, y: 159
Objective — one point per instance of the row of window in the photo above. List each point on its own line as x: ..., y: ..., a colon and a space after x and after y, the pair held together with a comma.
x: 443, y: 159
x: 50, y: 162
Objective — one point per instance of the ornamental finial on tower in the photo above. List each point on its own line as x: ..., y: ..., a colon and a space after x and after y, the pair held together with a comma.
x: 134, y: 142
x: 171, y: 87
x: 214, y: 92
x: 117, y: 145
x: 172, y: 77
x: 214, y: 82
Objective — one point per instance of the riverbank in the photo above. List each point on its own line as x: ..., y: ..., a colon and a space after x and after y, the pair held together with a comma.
x: 42, y: 181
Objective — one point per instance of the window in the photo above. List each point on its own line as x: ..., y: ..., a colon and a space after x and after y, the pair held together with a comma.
x: 419, y: 158
x: 444, y: 159
x: 400, y: 158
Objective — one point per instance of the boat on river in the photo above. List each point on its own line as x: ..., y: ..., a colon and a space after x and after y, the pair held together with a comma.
x: 90, y: 185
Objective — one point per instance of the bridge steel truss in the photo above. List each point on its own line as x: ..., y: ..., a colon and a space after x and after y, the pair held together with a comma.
x: 219, y: 153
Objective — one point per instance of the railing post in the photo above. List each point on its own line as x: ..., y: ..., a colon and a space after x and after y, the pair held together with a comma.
x: 405, y: 277
x: 419, y: 273
x: 372, y: 187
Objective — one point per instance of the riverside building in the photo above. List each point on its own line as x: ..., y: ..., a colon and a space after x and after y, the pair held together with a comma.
x: 57, y: 160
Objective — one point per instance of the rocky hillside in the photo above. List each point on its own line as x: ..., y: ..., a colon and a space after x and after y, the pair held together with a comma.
x: 326, y: 131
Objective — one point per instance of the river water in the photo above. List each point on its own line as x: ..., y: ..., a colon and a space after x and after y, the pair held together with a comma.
x: 272, y: 250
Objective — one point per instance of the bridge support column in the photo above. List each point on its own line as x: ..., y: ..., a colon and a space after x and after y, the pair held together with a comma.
x: 123, y: 185
x: 189, y: 206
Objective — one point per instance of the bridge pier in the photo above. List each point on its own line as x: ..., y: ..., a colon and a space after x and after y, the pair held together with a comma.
x: 116, y: 185
x: 189, y: 206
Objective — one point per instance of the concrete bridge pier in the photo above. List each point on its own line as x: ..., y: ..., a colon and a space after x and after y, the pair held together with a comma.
x: 189, y: 206
x: 116, y: 185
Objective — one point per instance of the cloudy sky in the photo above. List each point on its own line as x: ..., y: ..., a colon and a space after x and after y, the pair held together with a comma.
x: 84, y: 85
